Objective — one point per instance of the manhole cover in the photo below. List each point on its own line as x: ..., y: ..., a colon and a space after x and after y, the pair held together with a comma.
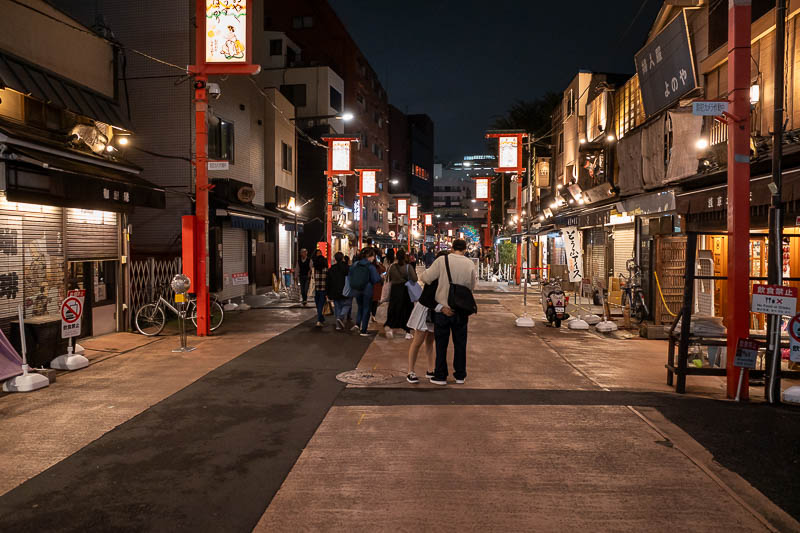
x: 484, y: 301
x: 371, y: 377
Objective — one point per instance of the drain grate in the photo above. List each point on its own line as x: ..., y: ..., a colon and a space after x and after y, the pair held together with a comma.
x: 371, y: 377
x: 484, y: 301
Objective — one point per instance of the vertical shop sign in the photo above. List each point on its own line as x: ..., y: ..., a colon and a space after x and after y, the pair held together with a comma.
x: 574, y: 250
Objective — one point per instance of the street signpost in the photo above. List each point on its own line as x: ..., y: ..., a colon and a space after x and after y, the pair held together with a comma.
x: 71, y: 317
x: 746, y: 355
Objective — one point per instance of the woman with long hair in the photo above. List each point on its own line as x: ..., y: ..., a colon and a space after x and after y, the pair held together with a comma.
x: 400, y: 305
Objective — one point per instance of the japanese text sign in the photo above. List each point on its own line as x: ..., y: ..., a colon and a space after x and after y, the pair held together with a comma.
x: 428, y: 219
x: 226, y: 31
x: 368, y: 182
x: 774, y: 300
x: 402, y: 205
x: 413, y: 212
x: 240, y: 278
x: 573, y: 246
x: 709, y: 108
x: 665, y: 67
x: 482, y: 189
x: 71, y: 313
x: 746, y: 353
x: 508, y: 158
x: 340, y: 156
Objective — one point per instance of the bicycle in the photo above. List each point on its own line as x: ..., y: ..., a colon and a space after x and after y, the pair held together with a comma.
x: 151, y: 319
x: 632, y: 291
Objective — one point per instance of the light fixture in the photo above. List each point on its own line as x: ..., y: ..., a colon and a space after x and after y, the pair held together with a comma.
x: 476, y: 209
x: 394, y: 181
x: 346, y: 117
x: 474, y: 200
x: 582, y: 141
x: 109, y: 148
x: 541, y: 218
x: 467, y: 164
x: 581, y: 201
x: 702, y: 143
x: 571, y: 201
x: 553, y: 205
x: 559, y: 187
x: 611, y: 138
x: 755, y: 94
x: 123, y: 140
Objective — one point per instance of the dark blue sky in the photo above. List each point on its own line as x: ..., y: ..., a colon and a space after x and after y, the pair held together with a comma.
x: 463, y: 62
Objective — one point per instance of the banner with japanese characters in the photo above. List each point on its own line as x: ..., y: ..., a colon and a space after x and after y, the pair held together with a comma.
x: 573, y: 246
x: 226, y: 31
x: 665, y: 67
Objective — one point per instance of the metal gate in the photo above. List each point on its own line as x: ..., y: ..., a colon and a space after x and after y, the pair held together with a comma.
x: 595, y: 266
x: 150, y: 278
x: 670, y: 268
x: 624, y: 242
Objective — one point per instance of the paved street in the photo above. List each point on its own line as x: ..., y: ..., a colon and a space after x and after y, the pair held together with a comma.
x: 553, y: 430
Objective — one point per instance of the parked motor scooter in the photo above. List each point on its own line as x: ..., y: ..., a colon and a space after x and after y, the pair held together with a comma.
x: 554, y: 303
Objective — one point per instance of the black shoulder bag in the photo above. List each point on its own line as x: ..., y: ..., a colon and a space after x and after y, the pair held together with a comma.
x: 460, y: 298
x: 428, y: 298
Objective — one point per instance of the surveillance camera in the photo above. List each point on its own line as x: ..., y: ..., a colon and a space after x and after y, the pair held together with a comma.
x: 214, y: 91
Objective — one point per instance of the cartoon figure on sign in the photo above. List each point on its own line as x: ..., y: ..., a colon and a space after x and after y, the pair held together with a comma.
x: 233, y: 48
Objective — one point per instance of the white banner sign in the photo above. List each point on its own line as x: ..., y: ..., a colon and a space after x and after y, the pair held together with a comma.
x: 573, y: 246
x: 508, y: 152
x: 340, y: 156
x: 368, y: 182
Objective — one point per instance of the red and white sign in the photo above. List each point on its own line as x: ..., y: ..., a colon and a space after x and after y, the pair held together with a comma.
x: 240, y: 278
x: 368, y: 182
x: 482, y: 189
x: 746, y: 354
x: 794, y: 339
x: 71, y: 313
x: 402, y: 205
x: 340, y: 156
x: 413, y: 212
x: 428, y: 219
x: 774, y: 300
x: 449, y: 233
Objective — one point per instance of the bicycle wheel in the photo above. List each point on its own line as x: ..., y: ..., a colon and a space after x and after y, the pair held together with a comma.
x: 217, y: 315
x: 150, y: 320
x: 641, y: 309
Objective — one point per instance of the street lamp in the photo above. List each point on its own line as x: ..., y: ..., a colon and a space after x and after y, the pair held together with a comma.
x: 346, y: 116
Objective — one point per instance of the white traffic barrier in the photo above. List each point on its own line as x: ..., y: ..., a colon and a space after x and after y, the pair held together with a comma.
x: 592, y: 320
x: 606, y: 326
x: 791, y: 395
x: 26, y: 382
x: 577, y: 324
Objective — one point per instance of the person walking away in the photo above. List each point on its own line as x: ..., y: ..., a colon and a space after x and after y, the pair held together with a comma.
x: 446, y: 320
x: 429, y: 258
x: 303, y: 275
x: 362, y: 278
x: 400, y: 305
x: 412, y: 258
x: 320, y: 265
x: 337, y: 276
x: 389, y: 258
x: 377, y: 290
x: 421, y: 321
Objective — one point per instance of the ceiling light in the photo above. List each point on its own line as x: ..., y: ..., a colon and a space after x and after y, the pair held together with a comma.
x: 559, y: 187
x: 582, y: 141
x: 701, y: 144
x: 755, y: 94
x: 109, y: 148
x: 347, y: 117
x: 611, y: 138
x: 541, y: 218
x: 123, y: 140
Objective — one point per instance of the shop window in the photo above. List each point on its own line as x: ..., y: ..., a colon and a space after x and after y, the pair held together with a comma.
x: 275, y: 47
x: 286, y: 157
x: 220, y: 139
x: 35, y: 113
x: 336, y: 99
x: 295, y: 93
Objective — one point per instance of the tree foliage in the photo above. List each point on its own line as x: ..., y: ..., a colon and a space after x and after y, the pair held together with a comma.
x: 533, y: 116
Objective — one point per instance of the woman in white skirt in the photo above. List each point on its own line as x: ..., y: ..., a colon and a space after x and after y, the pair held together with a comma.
x: 421, y: 321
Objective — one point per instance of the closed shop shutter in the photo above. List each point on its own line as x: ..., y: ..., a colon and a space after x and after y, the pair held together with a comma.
x: 31, y: 260
x: 624, y: 238
x: 284, y: 248
x: 234, y: 261
x: 596, y: 256
x: 92, y: 235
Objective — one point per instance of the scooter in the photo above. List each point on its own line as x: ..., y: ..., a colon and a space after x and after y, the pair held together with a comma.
x: 554, y: 303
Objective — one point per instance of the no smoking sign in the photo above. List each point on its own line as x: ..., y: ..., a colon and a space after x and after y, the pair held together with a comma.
x: 71, y: 312
x: 794, y: 339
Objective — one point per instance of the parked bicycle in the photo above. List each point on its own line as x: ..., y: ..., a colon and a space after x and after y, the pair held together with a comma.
x: 151, y: 318
x: 632, y: 292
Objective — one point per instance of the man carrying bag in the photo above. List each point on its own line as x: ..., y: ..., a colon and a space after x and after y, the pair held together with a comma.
x: 456, y: 277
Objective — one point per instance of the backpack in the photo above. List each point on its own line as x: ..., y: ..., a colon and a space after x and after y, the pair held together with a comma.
x: 359, y: 277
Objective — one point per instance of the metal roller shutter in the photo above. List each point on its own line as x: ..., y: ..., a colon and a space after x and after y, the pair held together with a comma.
x: 234, y: 260
x: 92, y: 235
x: 596, y: 256
x: 31, y: 259
x: 284, y: 248
x: 624, y: 240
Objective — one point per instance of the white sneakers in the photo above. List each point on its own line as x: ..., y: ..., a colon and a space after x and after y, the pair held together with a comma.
x: 389, y: 332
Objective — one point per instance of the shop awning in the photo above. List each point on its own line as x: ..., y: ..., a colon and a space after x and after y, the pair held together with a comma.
x: 43, y: 175
x: 247, y: 222
x: 43, y: 85
x: 246, y: 218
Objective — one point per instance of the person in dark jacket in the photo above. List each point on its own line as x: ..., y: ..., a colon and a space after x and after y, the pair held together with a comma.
x: 429, y: 258
x: 303, y: 274
x: 337, y: 276
x: 363, y: 294
x: 320, y: 274
x: 400, y: 305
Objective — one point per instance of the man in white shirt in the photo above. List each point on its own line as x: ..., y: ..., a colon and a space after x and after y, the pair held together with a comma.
x: 447, y: 320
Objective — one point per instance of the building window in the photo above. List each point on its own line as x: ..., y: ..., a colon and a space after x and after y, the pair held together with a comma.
x: 561, y: 143
x: 628, y: 110
x: 302, y: 22
x: 569, y: 102
x: 275, y: 47
x: 361, y: 101
x: 336, y: 99
x: 220, y: 139
x: 296, y: 94
x: 286, y: 157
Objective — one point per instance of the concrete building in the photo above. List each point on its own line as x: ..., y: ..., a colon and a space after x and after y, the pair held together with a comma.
x: 412, y: 157
x: 454, y: 201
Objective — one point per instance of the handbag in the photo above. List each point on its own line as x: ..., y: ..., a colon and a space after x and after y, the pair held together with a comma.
x: 347, y: 291
x: 414, y: 290
x: 428, y: 296
x: 459, y: 298
x: 386, y: 291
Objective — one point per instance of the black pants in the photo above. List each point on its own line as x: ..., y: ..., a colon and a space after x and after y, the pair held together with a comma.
x: 304, y: 288
x: 443, y: 326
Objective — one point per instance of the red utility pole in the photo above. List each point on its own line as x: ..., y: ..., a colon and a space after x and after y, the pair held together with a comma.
x: 201, y: 205
x: 738, y: 306
x: 339, y: 157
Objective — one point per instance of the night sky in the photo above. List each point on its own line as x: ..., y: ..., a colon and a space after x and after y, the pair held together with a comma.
x: 451, y: 60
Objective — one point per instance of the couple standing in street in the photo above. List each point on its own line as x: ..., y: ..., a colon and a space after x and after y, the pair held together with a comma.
x: 455, y: 277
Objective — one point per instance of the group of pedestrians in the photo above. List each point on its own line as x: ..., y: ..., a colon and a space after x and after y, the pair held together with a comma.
x: 431, y: 314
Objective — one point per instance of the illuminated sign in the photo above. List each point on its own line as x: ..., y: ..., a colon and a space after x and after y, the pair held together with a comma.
x: 428, y: 219
x: 357, y: 210
x: 482, y: 189
x: 413, y: 213
x: 368, y: 182
x: 226, y: 31
x: 449, y: 233
x: 508, y: 152
x: 402, y: 205
x: 340, y: 156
